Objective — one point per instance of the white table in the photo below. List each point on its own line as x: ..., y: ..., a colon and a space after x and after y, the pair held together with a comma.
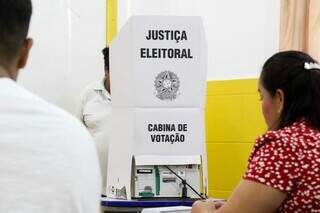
x: 175, y: 209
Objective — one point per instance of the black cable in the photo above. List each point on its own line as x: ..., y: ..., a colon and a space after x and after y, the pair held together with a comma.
x: 185, y: 182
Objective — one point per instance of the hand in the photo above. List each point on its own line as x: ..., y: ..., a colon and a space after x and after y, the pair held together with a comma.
x: 203, y: 206
x: 217, y: 203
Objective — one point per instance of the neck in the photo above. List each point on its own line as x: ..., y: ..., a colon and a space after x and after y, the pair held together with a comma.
x: 4, y: 73
x: 107, y: 84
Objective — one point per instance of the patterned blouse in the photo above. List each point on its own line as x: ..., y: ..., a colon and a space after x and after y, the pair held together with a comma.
x: 289, y: 160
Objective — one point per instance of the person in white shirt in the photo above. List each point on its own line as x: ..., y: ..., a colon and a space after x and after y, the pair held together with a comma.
x: 95, y: 111
x: 47, y: 160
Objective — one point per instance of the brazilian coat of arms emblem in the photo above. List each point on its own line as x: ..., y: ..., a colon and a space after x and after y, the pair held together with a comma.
x: 167, y: 85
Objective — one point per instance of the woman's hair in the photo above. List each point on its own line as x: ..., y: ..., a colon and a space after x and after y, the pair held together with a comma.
x: 299, y: 82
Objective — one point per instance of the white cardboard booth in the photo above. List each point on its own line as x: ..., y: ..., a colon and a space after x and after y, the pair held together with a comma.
x: 158, y: 83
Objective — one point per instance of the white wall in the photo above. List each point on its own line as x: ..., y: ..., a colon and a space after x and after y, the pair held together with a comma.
x: 240, y: 34
x: 68, y: 38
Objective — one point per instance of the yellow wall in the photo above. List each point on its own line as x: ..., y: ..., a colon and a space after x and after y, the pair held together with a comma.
x: 233, y: 121
x: 112, y: 13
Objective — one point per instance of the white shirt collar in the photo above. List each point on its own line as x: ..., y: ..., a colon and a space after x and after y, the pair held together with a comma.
x: 99, y: 87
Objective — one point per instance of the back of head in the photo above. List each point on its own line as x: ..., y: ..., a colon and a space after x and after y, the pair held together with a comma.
x: 14, y: 24
x: 300, y: 83
x: 105, y: 53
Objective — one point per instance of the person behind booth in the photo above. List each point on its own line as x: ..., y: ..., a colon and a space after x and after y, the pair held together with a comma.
x: 283, y: 174
x: 47, y: 160
x: 94, y: 112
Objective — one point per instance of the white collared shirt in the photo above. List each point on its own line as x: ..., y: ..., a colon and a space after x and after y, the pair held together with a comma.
x: 94, y: 112
x: 47, y: 160
x: 95, y: 107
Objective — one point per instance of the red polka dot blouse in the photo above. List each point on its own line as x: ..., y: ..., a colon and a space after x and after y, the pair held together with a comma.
x: 289, y: 160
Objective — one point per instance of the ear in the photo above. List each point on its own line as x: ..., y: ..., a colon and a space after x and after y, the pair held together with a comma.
x: 279, y: 97
x: 24, y: 54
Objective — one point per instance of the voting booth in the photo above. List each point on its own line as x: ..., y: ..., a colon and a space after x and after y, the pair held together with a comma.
x: 158, y: 82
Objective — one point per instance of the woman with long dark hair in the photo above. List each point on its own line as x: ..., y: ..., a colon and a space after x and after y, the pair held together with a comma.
x: 283, y: 173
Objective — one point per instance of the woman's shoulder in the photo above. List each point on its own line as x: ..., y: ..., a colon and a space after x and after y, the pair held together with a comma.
x: 300, y: 129
x: 282, y: 158
x: 297, y: 136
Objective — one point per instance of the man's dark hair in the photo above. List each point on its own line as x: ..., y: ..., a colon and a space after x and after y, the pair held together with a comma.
x: 14, y: 25
x: 105, y: 52
x: 301, y: 86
